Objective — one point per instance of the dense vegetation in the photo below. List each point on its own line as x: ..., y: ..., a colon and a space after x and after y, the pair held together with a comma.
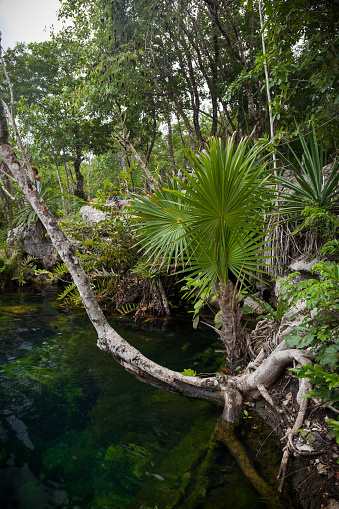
x: 219, y: 120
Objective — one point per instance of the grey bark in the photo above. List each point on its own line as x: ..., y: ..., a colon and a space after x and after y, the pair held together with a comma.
x: 219, y: 388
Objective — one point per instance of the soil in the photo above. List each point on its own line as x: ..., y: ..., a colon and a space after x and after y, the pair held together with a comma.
x: 313, y: 463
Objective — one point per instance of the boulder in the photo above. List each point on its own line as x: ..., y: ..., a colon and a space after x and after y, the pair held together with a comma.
x: 32, y: 240
x: 92, y: 215
x: 304, y: 266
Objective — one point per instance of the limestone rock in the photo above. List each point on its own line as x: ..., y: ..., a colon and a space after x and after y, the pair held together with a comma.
x: 278, y: 290
x: 296, y: 311
x: 257, y: 309
x: 33, y: 241
x: 91, y: 214
x: 303, y: 265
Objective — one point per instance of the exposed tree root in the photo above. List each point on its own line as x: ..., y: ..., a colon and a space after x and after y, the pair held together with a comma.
x: 265, y: 394
x: 305, y: 386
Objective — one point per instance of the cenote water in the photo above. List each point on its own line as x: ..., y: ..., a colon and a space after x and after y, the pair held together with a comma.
x: 78, y: 431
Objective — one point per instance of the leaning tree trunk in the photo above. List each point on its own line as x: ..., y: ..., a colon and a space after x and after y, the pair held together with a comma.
x: 108, y: 339
x: 219, y: 388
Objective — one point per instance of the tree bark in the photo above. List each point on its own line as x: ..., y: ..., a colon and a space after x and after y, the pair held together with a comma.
x: 61, y: 189
x: 232, y: 333
x: 219, y: 388
x: 79, y: 188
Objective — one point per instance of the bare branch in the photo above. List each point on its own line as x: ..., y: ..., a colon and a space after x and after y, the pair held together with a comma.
x: 3, y: 169
x: 10, y: 113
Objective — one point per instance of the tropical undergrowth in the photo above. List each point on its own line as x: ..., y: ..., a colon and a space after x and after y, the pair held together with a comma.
x: 120, y: 278
x: 211, y: 222
x: 311, y: 204
x: 8, y: 263
x: 24, y: 214
x: 318, y: 332
x: 307, y: 204
x: 16, y: 268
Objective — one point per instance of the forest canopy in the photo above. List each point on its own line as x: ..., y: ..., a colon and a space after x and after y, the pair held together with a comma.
x: 206, y: 134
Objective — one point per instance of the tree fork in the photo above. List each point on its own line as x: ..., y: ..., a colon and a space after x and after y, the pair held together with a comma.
x: 219, y: 389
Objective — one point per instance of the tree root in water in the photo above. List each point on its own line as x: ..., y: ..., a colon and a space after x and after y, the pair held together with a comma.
x: 224, y: 432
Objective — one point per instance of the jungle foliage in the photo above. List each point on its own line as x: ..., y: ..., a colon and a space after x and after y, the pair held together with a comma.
x: 167, y: 102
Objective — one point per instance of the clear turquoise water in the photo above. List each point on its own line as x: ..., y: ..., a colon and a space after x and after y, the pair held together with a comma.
x: 78, y: 431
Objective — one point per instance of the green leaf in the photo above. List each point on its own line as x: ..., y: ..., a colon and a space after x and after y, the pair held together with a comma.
x: 269, y: 8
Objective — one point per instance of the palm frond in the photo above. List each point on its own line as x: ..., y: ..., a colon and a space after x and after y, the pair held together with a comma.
x: 161, y: 224
x: 309, y: 189
x: 213, y: 221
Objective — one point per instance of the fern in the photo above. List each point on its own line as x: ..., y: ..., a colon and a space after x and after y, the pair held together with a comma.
x: 27, y: 264
x: 275, y: 314
x: 60, y: 270
x: 103, y: 273
x: 7, y: 263
x: 67, y: 291
x: 124, y: 310
x: 149, y: 270
x: 73, y: 300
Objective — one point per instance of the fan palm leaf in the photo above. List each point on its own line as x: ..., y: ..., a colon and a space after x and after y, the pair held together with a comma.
x: 160, y: 222
x: 213, y: 219
x: 240, y: 256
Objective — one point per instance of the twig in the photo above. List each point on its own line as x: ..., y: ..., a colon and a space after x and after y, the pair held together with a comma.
x: 335, y: 410
x: 2, y: 169
x: 309, y: 453
x: 4, y: 190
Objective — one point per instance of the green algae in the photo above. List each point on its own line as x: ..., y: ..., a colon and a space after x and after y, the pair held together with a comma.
x: 101, y: 438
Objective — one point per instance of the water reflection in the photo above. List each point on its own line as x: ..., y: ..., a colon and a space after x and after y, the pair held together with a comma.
x: 78, y: 431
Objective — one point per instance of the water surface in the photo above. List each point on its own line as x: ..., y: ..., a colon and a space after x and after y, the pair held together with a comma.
x: 78, y: 431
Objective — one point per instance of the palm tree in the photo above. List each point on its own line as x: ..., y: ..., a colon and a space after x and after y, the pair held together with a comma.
x: 212, y: 225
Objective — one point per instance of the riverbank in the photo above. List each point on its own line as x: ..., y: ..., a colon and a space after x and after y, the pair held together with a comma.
x: 313, y: 465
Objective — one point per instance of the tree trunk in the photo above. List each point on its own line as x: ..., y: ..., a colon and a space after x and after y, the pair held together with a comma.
x: 232, y: 334
x: 219, y: 388
x: 61, y: 189
x: 79, y: 188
